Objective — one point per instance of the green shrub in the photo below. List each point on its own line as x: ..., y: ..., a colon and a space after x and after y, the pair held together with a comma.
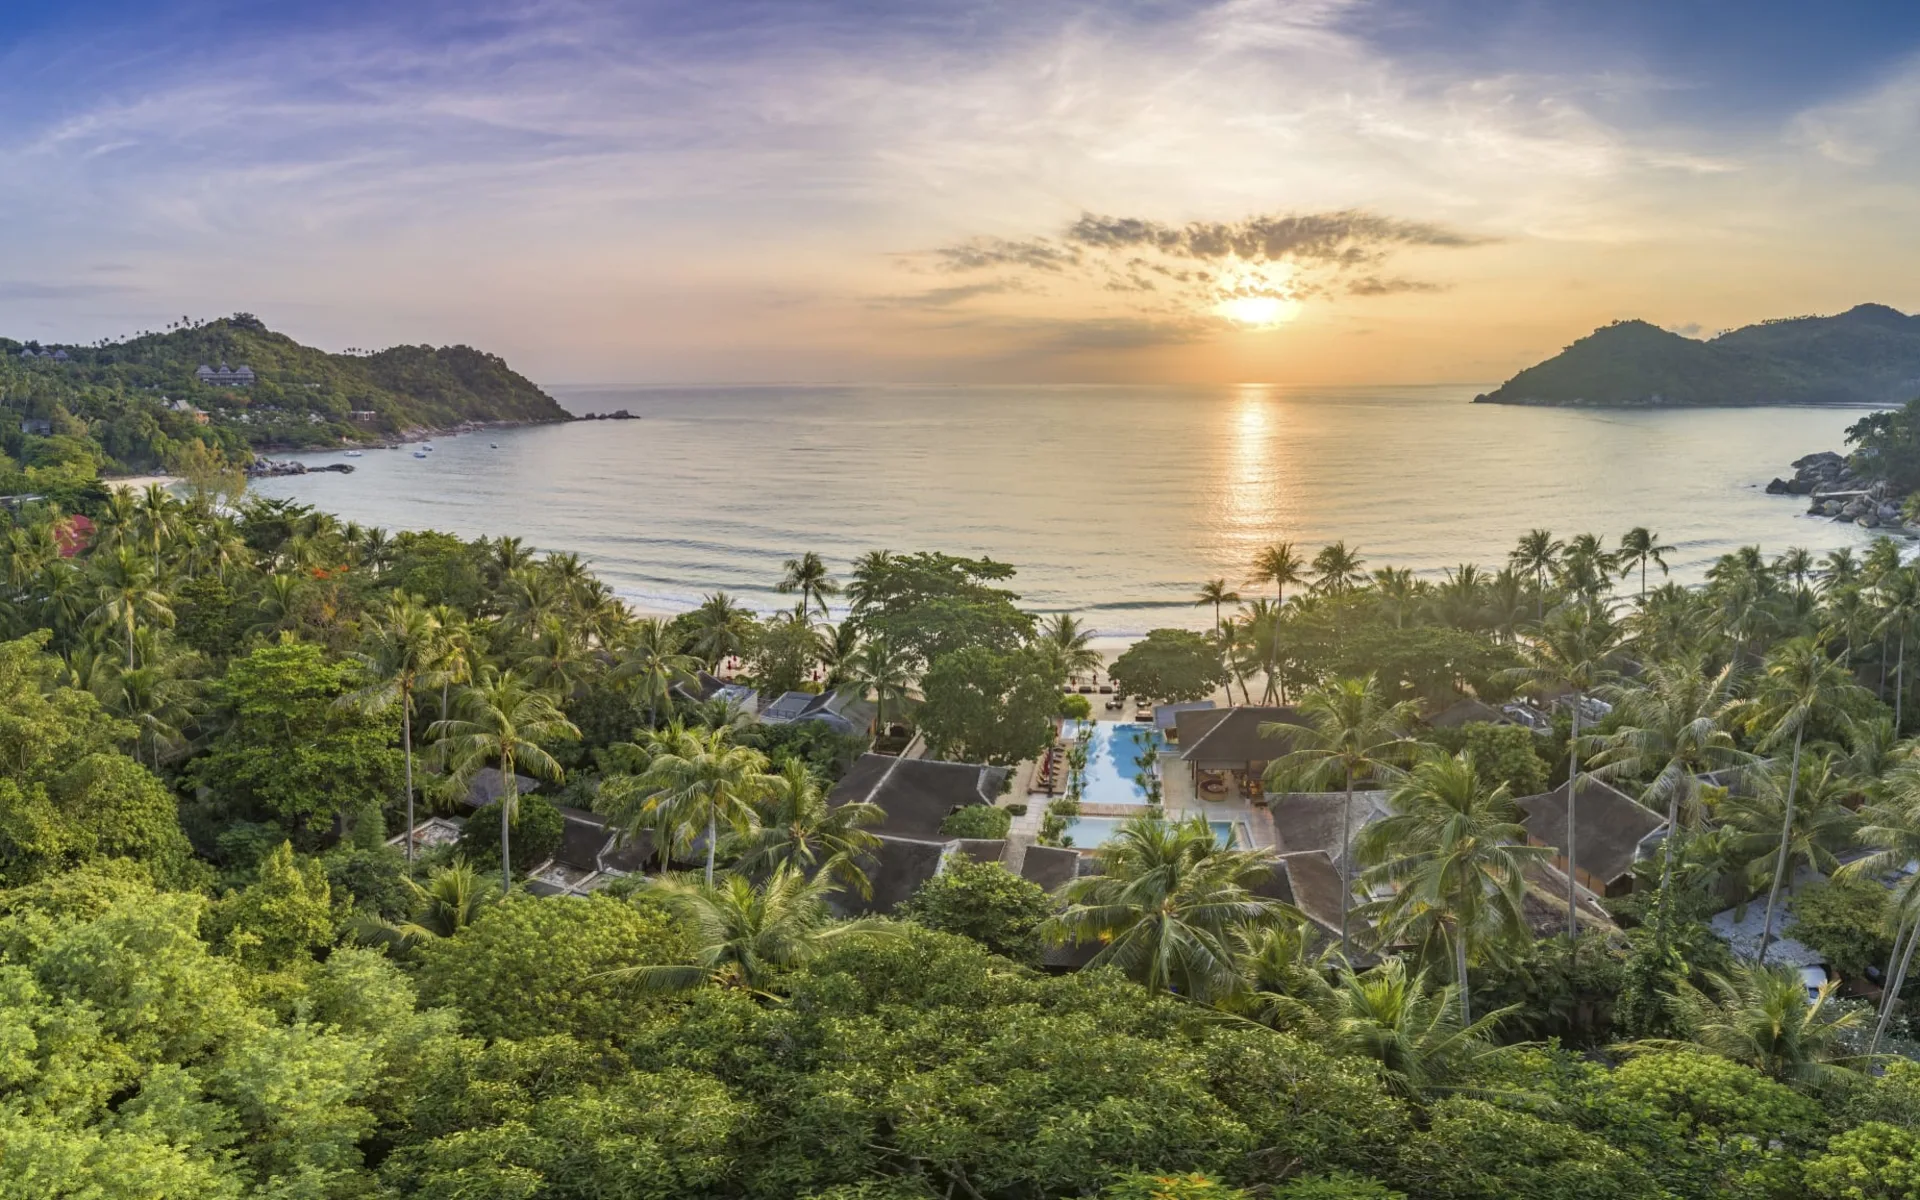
x: 985, y: 902
x: 977, y: 821
x: 533, y: 837
x: 1075, y: 707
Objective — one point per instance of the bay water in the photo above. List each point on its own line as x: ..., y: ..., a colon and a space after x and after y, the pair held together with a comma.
x: 1114, y: 502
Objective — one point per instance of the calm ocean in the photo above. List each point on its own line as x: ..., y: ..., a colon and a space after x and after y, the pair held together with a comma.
x: 1113, y: 502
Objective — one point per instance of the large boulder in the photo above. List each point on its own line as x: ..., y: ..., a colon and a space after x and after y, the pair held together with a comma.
x: 1778, y: 487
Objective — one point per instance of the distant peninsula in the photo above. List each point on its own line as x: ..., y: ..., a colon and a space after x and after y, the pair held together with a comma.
x: 238, y: 386
x: 1868, y: 355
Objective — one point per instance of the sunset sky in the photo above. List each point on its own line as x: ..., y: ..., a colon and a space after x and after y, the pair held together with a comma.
x: 1316, y: 191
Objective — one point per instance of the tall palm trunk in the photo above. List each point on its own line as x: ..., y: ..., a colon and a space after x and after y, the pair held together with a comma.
x: 1573, y: 793
x: 1786, y: 836
x: 507, y: 805
x: 713, y: 837
x: 129, y: 637
x: 1346, y: 858
x: 1460, y: 976
x: 1899, y: 682
x: 1893, y: 989
x: 406, y: 741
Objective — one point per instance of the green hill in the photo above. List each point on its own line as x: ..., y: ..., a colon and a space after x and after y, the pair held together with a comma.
x: 129, y: 403
x: 1869, y: 354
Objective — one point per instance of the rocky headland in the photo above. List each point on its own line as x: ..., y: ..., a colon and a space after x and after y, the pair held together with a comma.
x: 1834, y: 490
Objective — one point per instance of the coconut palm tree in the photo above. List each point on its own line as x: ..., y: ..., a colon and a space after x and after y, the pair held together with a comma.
x: 1890, y: 824
x: 1068, y: 645
x: 1336, y: 569
x: 127, y: 591
x: 1167, y: 906
x: 1763, y: 1017
x: 1638, y: 547
x: 1897, y: 601
x: 399, y: 656
x: 502, y: 723
x: 155, y: 698
x: 1820, y: 828
x: 1573, y: 651
x: 160, y: 519
x: 649, y: 660
x: 453, y: 897
x: 1216, y: 592
x: 1279, y: 566
x: 1801, y: 687
x: 1674, y: 725
x: 1839, y: 569
x: 1796, y: 566
x: 1391, y: 1017
x: 1453, y: 858
x: 742, y: 936
x: 799, y: 829
x: 554, y: 660
x: 1262, y: 629
x: 1537, y: 554
x: 808, y: 577
x: 880, y: 671
x: 1585, y: 567
x: 721, y: 629
x: 1347, y: 729
x: 702, y: 779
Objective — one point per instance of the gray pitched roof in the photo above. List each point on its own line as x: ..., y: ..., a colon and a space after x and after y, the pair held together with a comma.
x: 1052, y: 867
x: 1468, y: 710
x: 1310, y: 821
x: 1610, y: 824
x: 916, y: 793
x: 895, y: 868
x: 489, y: 785
x: 1234, y: 739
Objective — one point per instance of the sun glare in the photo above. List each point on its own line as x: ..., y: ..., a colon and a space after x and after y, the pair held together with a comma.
x: 1258, y: 312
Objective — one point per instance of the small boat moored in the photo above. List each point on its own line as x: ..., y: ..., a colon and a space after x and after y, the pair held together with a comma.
x: 419, y: 453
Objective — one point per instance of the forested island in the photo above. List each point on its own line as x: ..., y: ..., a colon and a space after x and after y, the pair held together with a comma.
x: 1869, y: 354
x: 222, y: 978
x: 137, y: 403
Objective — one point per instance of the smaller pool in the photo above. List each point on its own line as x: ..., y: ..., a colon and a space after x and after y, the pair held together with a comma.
x: 1088, y: 832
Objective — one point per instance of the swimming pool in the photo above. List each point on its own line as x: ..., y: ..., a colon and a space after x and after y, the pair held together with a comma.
x: 1084, y: 833
x: 1110, y: 759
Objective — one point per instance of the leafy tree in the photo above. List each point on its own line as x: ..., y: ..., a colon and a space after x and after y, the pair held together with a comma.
x: 985, y: 902
x: 977, y: 821
x: 538, y: 828
x: 1175, y: 665
x: 284, y: 915
x: 1846, y: 919
x: 986, y: 707
x: 1872, y: 1162
x: 783, y: 652
x: 529, y: 967
x: 1476, y: 1151
x: 289, y: 749
x: 927, y: 606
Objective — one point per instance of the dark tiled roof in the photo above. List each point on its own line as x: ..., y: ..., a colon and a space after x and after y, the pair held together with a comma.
x: 489, y: 785
x: 1611, y: 825
x: 1235, y: 738
x: 982, y: 850
x: 1313, y: 884
x: 916, y: 793
x: 582, y: 840
x: 1468, y: 711
x: 895, y: 868
x: 1052, y: 867
x: 1310, y: 821
x: 1190, y: 724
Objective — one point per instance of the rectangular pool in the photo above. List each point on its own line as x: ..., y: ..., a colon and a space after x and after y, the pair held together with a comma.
x: 1084, y: 833
x: 1111, y: 759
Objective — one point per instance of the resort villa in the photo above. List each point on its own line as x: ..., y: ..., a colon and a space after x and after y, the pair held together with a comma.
x: 1612, y: 831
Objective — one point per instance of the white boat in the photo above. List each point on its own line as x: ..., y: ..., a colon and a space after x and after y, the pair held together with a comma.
x: 353, y: 454
x: 493, y: 445
x: 419, y: 453
x: 428, y: 449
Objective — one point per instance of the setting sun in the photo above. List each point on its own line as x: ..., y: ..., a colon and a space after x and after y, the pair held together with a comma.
x: 1258, y: 311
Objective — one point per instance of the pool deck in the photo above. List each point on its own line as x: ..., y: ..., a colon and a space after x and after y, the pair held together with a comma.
x: 1177, y: 798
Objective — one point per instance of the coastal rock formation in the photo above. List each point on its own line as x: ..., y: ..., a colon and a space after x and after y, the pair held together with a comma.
x: 1838, y: 493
